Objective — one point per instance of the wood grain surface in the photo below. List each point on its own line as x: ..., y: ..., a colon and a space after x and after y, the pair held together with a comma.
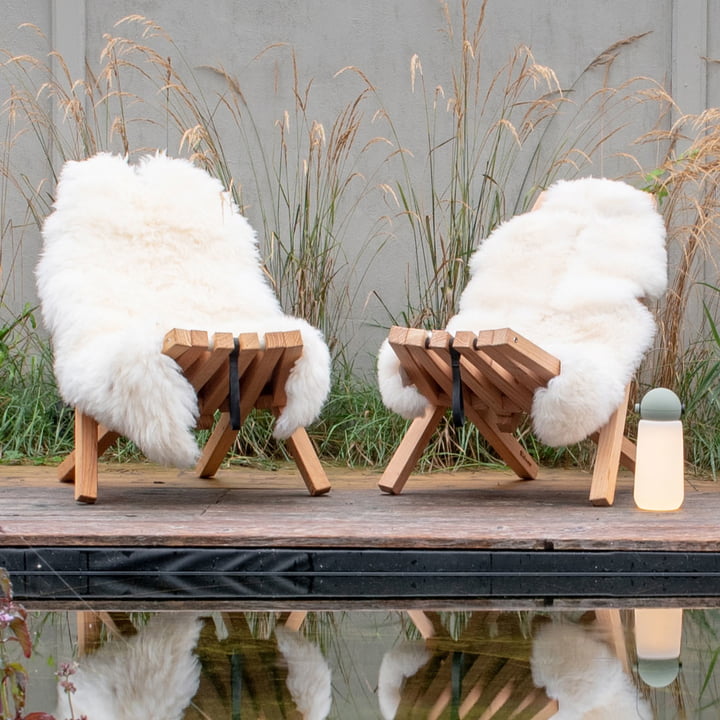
x: 148, y: 506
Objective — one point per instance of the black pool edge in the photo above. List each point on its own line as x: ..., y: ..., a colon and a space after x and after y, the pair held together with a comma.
x: 276, y: 574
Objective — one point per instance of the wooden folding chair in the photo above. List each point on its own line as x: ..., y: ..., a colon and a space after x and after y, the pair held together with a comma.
x: 485, y: 673
x: 230, y: 375
x: 490, y: 378
x: 243, y: 673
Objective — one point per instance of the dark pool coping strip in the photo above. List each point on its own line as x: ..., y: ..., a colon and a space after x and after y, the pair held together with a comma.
x: 202, y: 573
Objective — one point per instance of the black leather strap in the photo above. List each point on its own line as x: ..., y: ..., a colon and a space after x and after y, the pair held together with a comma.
x: 457, y: 670
x: 234, y: 395
x: 458, y: 408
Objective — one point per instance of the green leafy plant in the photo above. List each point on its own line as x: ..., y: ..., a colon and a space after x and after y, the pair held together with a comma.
x: 13, y: 675
x: 33, y: 421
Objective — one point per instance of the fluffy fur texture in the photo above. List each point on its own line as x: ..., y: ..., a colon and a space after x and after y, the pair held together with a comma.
x: 569, y: 276
x: 133, y: 251
x: 397, y: 665
x: 309, y: 677
x: 583, y: 675
x: 153, y: 674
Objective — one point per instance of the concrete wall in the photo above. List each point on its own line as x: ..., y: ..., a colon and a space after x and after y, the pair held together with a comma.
x: 379, y: 37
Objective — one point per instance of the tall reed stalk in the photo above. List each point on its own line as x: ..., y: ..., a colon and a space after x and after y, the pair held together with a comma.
x: 311, y: 186
x: 493, y: 141
x: 306, y: 173
x: 686, y: 184
x: 306, y: 176
x: 687, y: 355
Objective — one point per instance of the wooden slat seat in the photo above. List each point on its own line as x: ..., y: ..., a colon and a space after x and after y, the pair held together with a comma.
x: 500, y: 370
x: 483, y: 673
x: 263, y: 365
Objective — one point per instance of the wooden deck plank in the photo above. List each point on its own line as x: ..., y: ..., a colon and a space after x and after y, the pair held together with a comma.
x: 143, y: 505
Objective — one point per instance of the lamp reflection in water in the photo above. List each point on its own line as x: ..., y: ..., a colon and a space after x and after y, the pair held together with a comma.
x: 658, y: 636
x: 659, y: 465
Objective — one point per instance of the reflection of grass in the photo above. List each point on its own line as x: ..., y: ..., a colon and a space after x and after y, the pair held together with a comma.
x: 696, y: 691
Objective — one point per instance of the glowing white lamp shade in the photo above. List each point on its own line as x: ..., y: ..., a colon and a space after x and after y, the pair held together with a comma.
x: 660, y: 458
x: 658, y: 637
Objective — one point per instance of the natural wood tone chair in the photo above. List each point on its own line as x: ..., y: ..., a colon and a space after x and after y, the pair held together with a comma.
x: 243, y: 674
x: 262, y: 371
x: 485, y: 673
x: 497, y: 372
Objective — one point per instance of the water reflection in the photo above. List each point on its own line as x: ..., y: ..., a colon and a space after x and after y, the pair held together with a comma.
x: 585, y: 674
x: 488, y: 664
x: 151, y: 671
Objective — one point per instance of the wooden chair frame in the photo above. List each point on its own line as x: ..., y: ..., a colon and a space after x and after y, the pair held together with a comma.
x: 499, y: 370
x: 472, y: 676
x: 262, y: 371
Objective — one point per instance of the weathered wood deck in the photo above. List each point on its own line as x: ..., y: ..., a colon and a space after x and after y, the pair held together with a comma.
x: 486, y: 527
x: 144, y: 505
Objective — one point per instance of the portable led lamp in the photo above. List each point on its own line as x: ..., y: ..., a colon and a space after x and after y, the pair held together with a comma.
x: 660, y: 460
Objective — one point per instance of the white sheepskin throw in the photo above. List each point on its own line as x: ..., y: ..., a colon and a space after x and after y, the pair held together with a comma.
x: 569, y: 276
x: 154, y: 674
x: 398, y: 664
x: 309, y: 677
x: 131, y: 252
x: 583, y: 675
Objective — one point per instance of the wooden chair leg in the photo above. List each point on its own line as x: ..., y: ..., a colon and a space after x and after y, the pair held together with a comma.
x: 309, y: 465
x: 607, y: 460
x: 295, y: 620
x: 86, y: 458
x: 216, y: 448
x: 299, y: 444
x: 89, y: 627
x: 610, y: 621
x: 628, y: 451
x: 507, y: 446
x: 105, y: 438
x: 408, y: 453
x: 422, y: 623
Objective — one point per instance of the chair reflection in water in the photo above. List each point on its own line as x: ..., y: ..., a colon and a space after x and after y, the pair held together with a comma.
x: 552, y: 324
x: 261, y: 665
x: 495, y: 667
x: 586, y: 669
x: 484, y: 672
x: 150, y: 671
x: 181, y: 665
